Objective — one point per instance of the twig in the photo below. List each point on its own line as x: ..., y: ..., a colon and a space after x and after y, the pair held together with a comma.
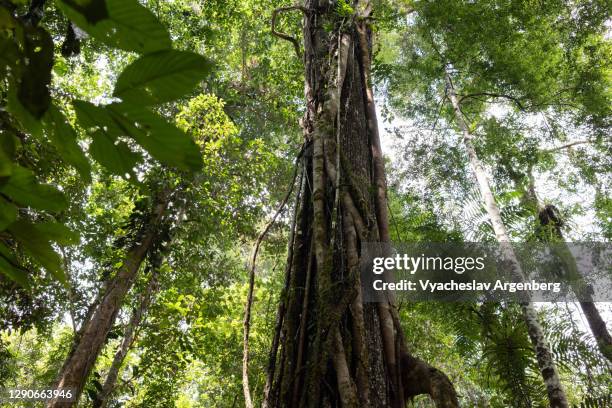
x: 285, y: 36
x: 494, y: 95
x: 249, y: 302
x: 565, y: 146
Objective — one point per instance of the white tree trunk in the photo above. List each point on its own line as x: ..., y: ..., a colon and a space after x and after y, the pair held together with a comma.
x: 556, y: 394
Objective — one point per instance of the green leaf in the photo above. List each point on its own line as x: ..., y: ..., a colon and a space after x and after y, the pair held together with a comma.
x: 8, y: 213
x: 57, y: 232
x: 9, y: 56
x: 164, y: 141
x: 8, y: 147
x: 37, y: 245
x: 6, y: 168
x: 33, y: 89
x: 28, y: 122
x: 124, y: 24
x: 97, y: 119
x: 161, y: 77
x: 97, y: 384
x: 116, y: 157
x: 161, y: 139
x: 23, y: 188
x: 64, y: 138
x: 11, y: 270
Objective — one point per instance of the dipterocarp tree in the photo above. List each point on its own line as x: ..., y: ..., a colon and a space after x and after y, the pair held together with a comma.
x: 330, y: 348
x: 516, y: 157
x: 556, y: 394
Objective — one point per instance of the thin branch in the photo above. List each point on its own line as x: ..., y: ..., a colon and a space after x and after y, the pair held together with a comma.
x: 565, y: 146
x: 285, y: 36
x: 494, y: 95
x: 440, y: 106
x: 248, y: 401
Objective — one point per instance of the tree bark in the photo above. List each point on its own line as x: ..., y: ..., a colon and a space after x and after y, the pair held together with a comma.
x: 336, y: 349
x: 80, y: 362
x: 129, y: 336
x: 598, y: 328
x: 548, y: 220
x: 556, y: 394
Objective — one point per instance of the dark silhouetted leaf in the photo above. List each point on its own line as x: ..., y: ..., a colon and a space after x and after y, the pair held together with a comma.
x: 64, y: 138
x: 38, y: 246
x: 116, y: 157
x: 23, y: 188
x: 161, y: 139
x: 124, y: 24
x: 33, y: 88
x: 161, y: 77
x: 9, y: 267
x: 93, y: 10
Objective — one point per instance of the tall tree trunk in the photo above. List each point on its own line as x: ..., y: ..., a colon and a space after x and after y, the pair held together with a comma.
x: 556, y: 394
x: 337, y: 350
x: 78, y: 365
x: 549, y: 220
x: 129, y: 336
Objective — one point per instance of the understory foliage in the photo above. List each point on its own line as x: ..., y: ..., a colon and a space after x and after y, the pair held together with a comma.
x: 109, y: 107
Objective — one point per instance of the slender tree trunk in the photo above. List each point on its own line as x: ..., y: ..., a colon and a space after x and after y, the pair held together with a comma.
x: 556, y: 394
x: 548, y: 219
x: 80, y: 362
x: 129, y: 336
x: 336, y: 349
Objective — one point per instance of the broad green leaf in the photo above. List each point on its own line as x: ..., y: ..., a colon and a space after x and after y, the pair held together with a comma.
x: 57, y: 232
x: 6, y: 168
x: 116, y: 157
x: 28, y: 122
x: 9, y: 56
x: 33, y: 89
x: 93, y: 117
x: 124, y: 24
x: 23, y: 188
x: 7, y: 21
x: 161, y: 77
x: 161, y: 139
x: 8, y: 213
x: 38, y: 247
x: 12, y: 271
x: 64, y: 138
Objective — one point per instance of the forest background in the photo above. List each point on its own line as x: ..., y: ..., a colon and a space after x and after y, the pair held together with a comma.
x: 145, y: 146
